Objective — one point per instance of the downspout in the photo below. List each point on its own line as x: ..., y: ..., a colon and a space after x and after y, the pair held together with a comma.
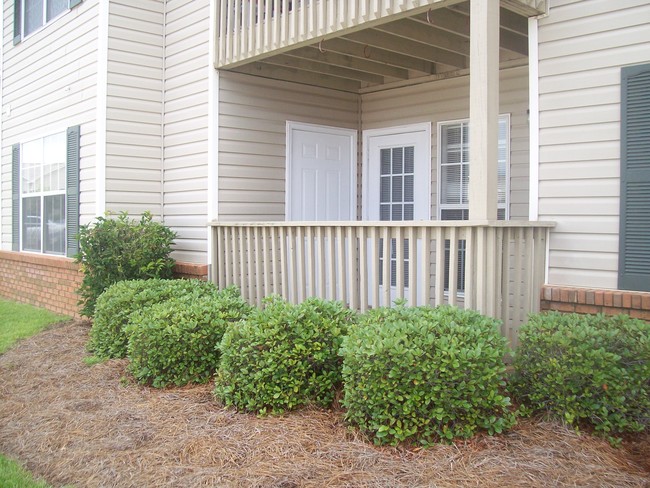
x: 533, y: 125
x: 213, y: 135
x: 162, y: 113
x: 533, y: 120
x: 360, y: 157
x: 101, y: 113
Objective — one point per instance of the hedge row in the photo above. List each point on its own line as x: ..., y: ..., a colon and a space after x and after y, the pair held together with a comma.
x: 414, y: 374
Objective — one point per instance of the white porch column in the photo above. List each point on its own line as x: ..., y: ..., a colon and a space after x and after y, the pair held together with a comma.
x: 483, y: 108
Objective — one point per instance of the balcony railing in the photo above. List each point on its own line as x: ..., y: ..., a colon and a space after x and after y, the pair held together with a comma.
x: 250, y: 28
x: 497, y: 268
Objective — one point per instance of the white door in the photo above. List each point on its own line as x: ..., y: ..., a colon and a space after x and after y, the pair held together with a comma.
x: 397, y: 171
x: 321, y: 173
x: 321, y: 186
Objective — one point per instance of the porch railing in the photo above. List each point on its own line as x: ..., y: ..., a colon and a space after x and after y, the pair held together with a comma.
x: 496, y: 268
x: 250, y: 28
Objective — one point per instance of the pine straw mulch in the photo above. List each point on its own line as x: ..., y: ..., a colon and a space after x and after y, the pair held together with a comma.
x: 90, y: 426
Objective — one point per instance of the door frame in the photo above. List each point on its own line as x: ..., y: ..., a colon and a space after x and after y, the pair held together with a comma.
x: 320, y: 129
x: 425, y: 129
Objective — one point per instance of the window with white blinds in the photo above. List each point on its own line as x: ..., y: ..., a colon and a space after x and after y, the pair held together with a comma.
x: 453, y: 169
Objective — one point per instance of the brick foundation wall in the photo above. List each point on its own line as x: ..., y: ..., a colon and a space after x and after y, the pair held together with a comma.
x: 51, y: 282
x: 45, y: 281
x: 588, y: 300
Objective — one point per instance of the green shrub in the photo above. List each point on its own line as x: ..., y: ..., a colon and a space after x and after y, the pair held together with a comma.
x: 283, y: 356
x: 425, y: 374
x: 114, y: 307
x: 176, y: 341
x: 586, y: 368
x: 112, y: 250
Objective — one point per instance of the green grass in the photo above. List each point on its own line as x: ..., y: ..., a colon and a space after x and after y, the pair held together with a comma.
x: 12, y: 475
x: 18, y: 320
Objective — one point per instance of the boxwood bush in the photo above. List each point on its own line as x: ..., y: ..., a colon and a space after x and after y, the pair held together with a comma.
x: 176, y: 341
x: 117, y: 249
x: 283, y: 356
x: 585, y: 368
x: 422, y: 374
x: 115, y: 306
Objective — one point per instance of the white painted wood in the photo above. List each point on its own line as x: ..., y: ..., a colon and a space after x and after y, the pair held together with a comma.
x: 321, y: 172
x: 484, y: 108
x: 316, y: 259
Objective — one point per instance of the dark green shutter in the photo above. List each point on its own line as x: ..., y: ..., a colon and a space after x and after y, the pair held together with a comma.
x: 15, y: 197
x: 72, y: 190
x: 634, y: 238
x: 17, y: 22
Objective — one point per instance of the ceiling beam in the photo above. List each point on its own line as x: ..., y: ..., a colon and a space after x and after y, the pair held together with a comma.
x: 428, y: 34
x: 365, y: 51
x: 400, y: 45
x: 299, y: 76
x: 325, y: 56
x: 324, y: 68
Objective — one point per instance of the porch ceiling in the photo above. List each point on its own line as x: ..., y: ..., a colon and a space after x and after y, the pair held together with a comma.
x: 403, y: 51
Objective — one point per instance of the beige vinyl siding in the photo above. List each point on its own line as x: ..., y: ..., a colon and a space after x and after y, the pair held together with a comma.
x: 582, y: 47
x: 187, y: 64
x: 253, y: 113
x: 446, y: 100
x: 49, y: 84
x: 134, y: 106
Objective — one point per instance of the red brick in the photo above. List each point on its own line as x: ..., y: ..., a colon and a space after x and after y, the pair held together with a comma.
x: 608, y: 299
x: 617, y: 299
x: 564, y: 296
x: 580, y: 308
x: 645, y: 301
x: 598, y: 298
x: 627, y: 300
x: 555, y: 294
x: 582, y: 296
x: 612, y: 311
x: 590, y: 298
x: 563, y: 307
x: 640, y: 314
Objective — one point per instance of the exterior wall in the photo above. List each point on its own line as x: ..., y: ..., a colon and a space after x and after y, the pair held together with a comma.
x: 187, y: 65
x: 157, y: 116
x: 49, y: 86
x: 445, y: 100
x: 51, y: 282
x: 582, y: 47
x: 134, y: 105
x: 252, y: 139
x: 44, y: 281
x: 590, y: 300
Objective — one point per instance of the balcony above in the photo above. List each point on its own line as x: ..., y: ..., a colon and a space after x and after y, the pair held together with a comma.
x: 355, y: 44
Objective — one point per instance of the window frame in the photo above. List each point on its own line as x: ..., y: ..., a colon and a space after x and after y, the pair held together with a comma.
x: 20, y: 18
x: 42, y: 194
x: 440, y: 207
x: 70, y: 196
x: 439, y: 156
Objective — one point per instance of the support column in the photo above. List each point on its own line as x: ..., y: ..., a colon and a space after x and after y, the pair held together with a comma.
x: 483, y: 109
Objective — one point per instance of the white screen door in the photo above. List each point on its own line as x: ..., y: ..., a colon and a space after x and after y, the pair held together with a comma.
x: 397, y: 173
